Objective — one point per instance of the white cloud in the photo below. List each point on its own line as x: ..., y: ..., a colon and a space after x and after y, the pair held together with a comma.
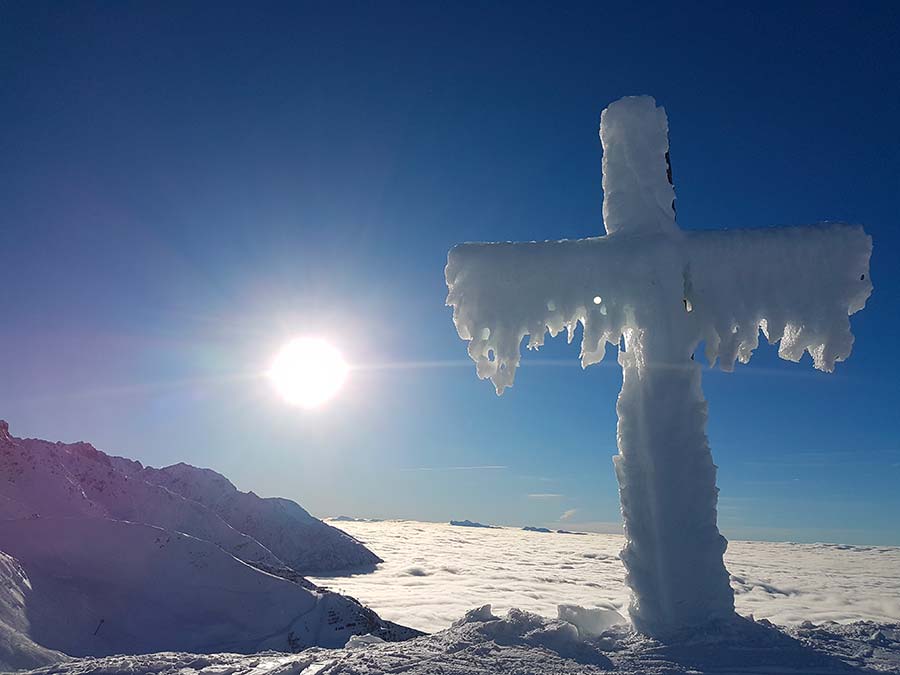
x: 545, y: 495
x: 482, y: 467
x: 568, y: 514
x: 433, y: 573
x: 596, y: 526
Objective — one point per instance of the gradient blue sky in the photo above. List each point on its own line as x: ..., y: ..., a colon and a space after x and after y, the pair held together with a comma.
x: 186, y: 185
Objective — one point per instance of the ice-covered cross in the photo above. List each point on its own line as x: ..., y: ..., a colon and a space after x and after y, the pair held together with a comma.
x: 663, y: 290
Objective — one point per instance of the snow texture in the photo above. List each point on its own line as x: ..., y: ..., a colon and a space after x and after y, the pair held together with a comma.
x: 667, y: 487
x: 17, y: 650
x: 526, y: 644
x: 637, y: 194
x: 662, y: 291
x: 798, y: 285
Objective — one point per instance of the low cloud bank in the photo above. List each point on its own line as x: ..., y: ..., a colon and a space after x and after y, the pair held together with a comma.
x: 433, y: 573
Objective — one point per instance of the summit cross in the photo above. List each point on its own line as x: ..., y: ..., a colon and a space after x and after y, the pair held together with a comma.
x: 661, y: 291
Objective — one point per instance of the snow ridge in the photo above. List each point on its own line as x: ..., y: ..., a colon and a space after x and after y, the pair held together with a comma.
x: 98, y: 489
x: 96, y: 560
x: 301, y: 541
x: 59, y: 479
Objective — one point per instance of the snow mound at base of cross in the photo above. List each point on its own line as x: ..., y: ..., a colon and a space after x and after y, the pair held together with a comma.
x: 525, y: 643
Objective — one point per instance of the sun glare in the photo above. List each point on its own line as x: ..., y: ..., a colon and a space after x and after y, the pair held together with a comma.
x: 307, y: 372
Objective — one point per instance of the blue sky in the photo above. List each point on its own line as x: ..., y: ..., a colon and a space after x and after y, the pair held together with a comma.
x: 187, y: 185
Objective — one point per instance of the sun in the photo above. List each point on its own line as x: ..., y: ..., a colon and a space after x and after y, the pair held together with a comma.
x: 307, y: 372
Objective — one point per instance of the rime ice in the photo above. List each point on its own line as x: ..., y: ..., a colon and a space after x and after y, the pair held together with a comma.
x: 664, y: 291
x: 637, y: 193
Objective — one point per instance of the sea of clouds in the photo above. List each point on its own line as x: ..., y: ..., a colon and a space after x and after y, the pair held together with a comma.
x: 433, y: 573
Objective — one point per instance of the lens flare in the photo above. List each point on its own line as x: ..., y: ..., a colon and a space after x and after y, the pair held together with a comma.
x: 307, y: 372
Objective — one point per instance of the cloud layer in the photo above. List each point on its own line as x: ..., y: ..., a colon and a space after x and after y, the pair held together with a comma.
x: 433, y: 573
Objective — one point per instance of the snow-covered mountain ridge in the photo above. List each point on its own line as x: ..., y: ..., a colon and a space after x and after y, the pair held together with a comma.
x: 96, y: 560
x: 101, y: 586
x: 303, y: 542
x: 68, y: 479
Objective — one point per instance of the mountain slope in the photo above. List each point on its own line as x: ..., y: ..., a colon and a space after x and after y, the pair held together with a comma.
x: 68, y: 479
x: 17, y: 650
x: 95, y: 560
x: 75, y: 479
x: 101, y: 587
x: 119, y: 497
x: 289, y: 531
x: 38, y: 482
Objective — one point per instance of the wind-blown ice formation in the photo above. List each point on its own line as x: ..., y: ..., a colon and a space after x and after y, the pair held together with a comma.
x: 663, y: 291
x: 799, y: 285
x: 637, y: 191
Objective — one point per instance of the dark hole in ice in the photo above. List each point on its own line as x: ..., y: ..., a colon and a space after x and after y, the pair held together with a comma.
x: 862, y: 277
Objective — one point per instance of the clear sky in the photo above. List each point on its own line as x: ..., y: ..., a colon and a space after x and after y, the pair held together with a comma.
x: 184, y: 186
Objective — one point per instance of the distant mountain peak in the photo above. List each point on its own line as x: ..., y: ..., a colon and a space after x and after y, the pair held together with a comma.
x: 88, y: 451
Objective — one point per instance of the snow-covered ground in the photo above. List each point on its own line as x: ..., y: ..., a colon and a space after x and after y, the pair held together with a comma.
x: 433, y: 573
x: 526, y: 644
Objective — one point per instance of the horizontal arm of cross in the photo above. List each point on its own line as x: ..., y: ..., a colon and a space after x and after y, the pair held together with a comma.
x: 798, y: 284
